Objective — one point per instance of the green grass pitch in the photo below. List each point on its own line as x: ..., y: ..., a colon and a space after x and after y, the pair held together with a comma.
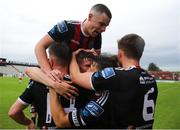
x: 167, y: 114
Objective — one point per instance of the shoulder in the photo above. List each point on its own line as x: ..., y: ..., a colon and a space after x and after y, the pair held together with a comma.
x: 105, y: 73
x: 65, y: 25
x: 33, y: 84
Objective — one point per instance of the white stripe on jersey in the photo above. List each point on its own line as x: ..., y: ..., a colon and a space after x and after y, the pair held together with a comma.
x: 107, y: 95
x: 23, y: 102
x: 103, y: 98
x: 48, y: 111
x: 82, y: 121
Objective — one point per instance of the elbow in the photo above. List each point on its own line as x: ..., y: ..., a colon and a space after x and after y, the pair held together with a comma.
x: 12, y: 114
x: 37, y: 48
x: 73, y: 78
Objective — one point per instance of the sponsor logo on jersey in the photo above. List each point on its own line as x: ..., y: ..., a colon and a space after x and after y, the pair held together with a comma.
x: 108, y: 72
x: 94, y: 108
x: 146, y: 80
x: 62, y: 27
x: 85, y: 113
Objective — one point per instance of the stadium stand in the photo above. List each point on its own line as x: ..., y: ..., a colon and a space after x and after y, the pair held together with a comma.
x: 12, y: 68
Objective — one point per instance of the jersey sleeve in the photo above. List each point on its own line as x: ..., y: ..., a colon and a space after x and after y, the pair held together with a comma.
x: 102, y: 80
x: 98, y: 42
x: 26, y: 97
x: 60, y: 31
x: 92, y: 112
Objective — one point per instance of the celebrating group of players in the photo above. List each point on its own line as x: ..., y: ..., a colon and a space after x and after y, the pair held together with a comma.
x: 78, y: 87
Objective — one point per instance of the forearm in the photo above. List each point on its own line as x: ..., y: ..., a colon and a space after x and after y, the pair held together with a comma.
x: 21, y: 118
x: 59, y: 116
x: 38, y: 75
x: 77, y: 76
x: 40, y: 52
x: 74, y: 68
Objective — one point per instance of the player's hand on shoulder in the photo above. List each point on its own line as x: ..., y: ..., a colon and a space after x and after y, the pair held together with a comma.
x: 55, y: 75
x: 66, y: 90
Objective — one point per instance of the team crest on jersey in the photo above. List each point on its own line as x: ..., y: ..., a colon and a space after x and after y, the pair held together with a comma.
x: 94, y: 108
x: 108, y: 72
x: 62, y: 27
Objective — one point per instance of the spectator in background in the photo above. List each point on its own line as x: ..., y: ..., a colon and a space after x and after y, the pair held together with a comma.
x: 20, y: 77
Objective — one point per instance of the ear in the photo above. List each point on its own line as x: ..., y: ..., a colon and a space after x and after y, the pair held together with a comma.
x: 90, y: 16
x: 119, y: 53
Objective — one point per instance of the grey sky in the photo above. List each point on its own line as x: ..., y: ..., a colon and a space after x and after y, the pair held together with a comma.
x: 23, y: 23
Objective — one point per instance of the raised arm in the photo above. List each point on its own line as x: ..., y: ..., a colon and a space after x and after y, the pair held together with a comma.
x: 82, y: 79
x: 40, y: 51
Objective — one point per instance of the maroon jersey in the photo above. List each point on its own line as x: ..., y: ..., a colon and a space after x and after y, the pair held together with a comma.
x: 72, y: 33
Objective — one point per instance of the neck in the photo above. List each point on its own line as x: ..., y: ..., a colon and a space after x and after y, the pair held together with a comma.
x: 63, y: 70
x: 130, y: 62
x: 84, y: 28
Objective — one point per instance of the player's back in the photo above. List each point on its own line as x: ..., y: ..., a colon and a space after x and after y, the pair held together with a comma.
x: 133, y: 95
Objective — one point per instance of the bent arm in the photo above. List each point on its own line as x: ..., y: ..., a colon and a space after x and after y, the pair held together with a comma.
x: 38, y: 75
x: 17, y: 114
x: 40, y: 52
x: 82, y: 79
x: 59, y: 116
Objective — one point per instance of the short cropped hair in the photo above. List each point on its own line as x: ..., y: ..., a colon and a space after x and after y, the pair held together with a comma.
x: 61, y: 52
x: 132, y: 45
x: 84, y: 55
x: 103, y: 61
x: 102, y: 9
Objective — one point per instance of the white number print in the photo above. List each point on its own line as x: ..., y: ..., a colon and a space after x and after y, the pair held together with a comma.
x: 48, y: 111
x: 148, y: 104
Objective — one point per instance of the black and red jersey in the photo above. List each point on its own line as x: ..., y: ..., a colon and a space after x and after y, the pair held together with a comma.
x: 72, y: 33
x: 127, y: 100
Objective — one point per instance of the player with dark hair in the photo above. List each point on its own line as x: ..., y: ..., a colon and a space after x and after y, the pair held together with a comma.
x: 86, y: 34
x: 84, y: 59
x: 37, y: 94
x: 63, y: 120
x: 130, y: 91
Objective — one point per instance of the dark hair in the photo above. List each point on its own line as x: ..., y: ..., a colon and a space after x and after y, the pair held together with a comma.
x: 82, y: 55
x: 61, y: 52
x: 102, y: 9
x: 104, y: 61
x: 132, y: 45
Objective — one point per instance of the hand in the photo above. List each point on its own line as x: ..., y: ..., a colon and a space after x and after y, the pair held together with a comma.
x: 92, y: 51
x: 66, y: 90
x: 55, y: 75
x: 31, y: 126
